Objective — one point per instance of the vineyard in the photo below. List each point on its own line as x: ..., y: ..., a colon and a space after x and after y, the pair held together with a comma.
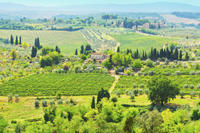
x: 50, y: 84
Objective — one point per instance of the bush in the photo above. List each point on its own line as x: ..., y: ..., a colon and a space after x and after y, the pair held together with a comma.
x: 44, y: 103
x: 182, y: 95
x: 135, y: 92
x: 52, y: 102
x: 186, y: 86
x: 137, y: 64
x: 146, y: 91
x: 37, y: 103
x: 114, y: 99
x: 151, y: 73
x: 142, y: 86
x: 140, y: 91
x: 178, y: 73
x: 192, y: 94
x: 149, y: 63
x: 127, y: 92
x: 191, y: 86
x: 132, y: 96
x: 16, y: 98
x: 195, y: 115
x: 10, y: 98
x: 60, y: 101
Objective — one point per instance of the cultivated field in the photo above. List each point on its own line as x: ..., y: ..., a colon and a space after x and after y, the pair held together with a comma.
x: 140, y: 41
x: 52, y: 83
x: 67, y: 41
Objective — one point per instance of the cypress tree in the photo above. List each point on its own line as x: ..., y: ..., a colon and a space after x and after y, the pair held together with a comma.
x: 180, y: 55
x: 93, y: 103
x: 118, y: 49
x: 20, y: 40
x: 176, y: 54
x: 11, y: 39
x: 110, y: 59
x: 33, y: 52
x: 82, y: 49
x: 76, y: 52
x: 57, y: 49
x: 187, y: 56
x: 16, y: 40
x: 37, y: 43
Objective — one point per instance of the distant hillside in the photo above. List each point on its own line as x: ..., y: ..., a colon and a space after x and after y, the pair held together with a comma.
x: 9, y: 9
x: 190, y: 15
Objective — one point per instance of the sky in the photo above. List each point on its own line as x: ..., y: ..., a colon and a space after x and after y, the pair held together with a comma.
x: 79, y: 2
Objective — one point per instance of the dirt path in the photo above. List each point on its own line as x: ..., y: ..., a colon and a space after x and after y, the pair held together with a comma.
x: 115, y: 82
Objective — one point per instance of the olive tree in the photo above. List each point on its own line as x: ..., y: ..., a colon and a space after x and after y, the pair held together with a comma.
x: 162, y: 90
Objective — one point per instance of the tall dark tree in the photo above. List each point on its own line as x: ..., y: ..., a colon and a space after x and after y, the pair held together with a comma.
x: 187, y: 57
x: 20, y: 40
x: 33, y: 52
x: 82, y: 49
x: 118, y: 49
x: 180, y: 55
x: 110, y: 59
x: 102, y: 94
x: 37, y: 43
x: 76, y: 52
x: 58, y: 49
x: 176, y: 54
x: 11, y: 39
x: 16, y: 40
x: 93, y: 103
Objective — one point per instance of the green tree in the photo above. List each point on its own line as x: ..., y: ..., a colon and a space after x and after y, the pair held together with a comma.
x: 20, y: 40
x: 151, y: 122
x: 107, y: 64
x: 33, y: 52
x: 118, y: 49
x: 102, y: 94
x: 93, y: 103
x: 137, y: 64
x: 76, y: 52
x: 3, y: 124
x: 162, y: 90
x: 37, y: 43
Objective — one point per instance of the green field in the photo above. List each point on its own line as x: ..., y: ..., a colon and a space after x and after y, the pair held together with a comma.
x: 140, y: 41
x: 67, y: 41
x: 50, y: 84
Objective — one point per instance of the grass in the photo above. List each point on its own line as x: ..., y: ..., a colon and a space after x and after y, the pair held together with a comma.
x: 50, y: 84
x: 140, y: 41
x: 67, y: 41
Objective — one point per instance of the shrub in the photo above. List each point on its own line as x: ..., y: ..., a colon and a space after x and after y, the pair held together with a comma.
x: 114, y: 99
x: 178, y: 73
x: 60, y: 101
x: 142, y: 86
x: 16, y: 98
x: 191, y: 86
x: 182, y: 95
x: 10, y: 98
x: 149, y: 63
x: 44, y: 103
x: 146, y: 91
x: 132, y: 97
x: 192, y: 73
x: 198, y: 87
x: 167, y: 74
x: 52, y: 102
x: 192, y: 94
x: 66, y: 101
x: 134, y: 86
x: 186, y: 86
x: 37, y: 103
x: 195, y: 115
x: 127, y: 92
x: 140, y: 91
x: 137, y: 64
x: 140, y: 73
x: 135, y: 92
x: 151, y: 73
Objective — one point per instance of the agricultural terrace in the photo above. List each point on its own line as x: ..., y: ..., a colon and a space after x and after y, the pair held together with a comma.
x: 50, y: 84
x: 67, y: 41
x: 140, y: 41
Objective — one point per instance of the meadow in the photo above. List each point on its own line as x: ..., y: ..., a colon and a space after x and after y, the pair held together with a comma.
x: 140, y: 41
x: 67, y: 41
x: 50, y: 84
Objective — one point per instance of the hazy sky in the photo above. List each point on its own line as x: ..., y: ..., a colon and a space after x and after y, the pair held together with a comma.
x: 74, y: 2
